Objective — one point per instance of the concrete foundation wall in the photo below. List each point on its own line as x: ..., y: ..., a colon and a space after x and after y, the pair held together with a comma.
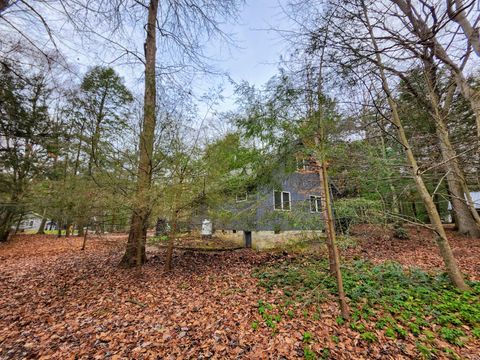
x: 264, y: 240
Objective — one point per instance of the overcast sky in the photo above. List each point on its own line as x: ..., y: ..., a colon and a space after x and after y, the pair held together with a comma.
x: 257, y: 50
x: 256, y: 57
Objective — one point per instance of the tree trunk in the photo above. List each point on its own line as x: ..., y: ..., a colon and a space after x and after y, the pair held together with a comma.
x: 414, y: 209
x: 18, y: 223
x: 328, y: 230
x: 41, y: 229
x: 135, y: 251
x: 84, y: 239
x: 331, y: 240
x: 5, y: 224
x: 67, y: 230
x: 441, y: 237
x: 465, y: 219
x: 421, y: 29
x: 81, y: 231
x: 171, y: 243
x: 458, y: 15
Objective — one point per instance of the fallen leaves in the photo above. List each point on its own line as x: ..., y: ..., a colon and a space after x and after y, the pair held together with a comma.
x: 57, y: 302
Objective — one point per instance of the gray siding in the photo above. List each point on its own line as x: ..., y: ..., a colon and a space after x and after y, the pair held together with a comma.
x: 258, y: 212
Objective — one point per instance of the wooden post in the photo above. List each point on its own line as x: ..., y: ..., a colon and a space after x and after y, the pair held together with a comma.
x: 334, y: 257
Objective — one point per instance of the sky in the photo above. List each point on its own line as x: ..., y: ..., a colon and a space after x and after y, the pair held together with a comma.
x: 253, y: 57
x: 258, y: 49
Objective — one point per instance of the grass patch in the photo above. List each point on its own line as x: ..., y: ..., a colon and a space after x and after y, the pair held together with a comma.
x: 401, y: 303
x: 49, y: 232
x: 157, y: 240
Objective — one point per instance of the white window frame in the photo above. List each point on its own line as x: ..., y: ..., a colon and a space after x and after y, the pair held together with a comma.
x: 301, y: 164
x: 281, y: 200
x: 237, y: 199
x: 305, y: 164
x: 317, y: 209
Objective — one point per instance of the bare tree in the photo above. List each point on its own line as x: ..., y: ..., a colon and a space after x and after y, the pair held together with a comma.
x: 426, y: 34
x: 441, y: 237
x: 457, y: 11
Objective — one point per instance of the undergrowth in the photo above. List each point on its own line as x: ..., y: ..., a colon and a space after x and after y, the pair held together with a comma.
x: 387, y: 298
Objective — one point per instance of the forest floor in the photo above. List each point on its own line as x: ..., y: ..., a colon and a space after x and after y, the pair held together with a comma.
x: 58, y: 302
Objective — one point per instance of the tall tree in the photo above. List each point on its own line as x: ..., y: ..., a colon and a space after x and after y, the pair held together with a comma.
x: 135, y: 252
x: 417, y: 18
x: 441, y: 236
x: 27, y: 138
x: 100, y: 110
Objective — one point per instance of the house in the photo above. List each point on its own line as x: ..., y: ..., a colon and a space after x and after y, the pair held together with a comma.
x: 290, y: 206
x: 31, y: 222
x: 28, y: 222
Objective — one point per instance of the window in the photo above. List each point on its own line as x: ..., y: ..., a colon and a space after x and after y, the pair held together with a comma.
x: 315, y: 203
x: 31, y: 223
x: 307, y: 164
x: 281, y: 200
x: 241, y: 197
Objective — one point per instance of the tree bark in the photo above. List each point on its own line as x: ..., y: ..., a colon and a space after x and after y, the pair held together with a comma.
x: 4, y: 4
x: 421, y: 29
x: 41, y: 229
x: 67, y: 230
x: 171, y: 243
x: 18, y: 223
x: 465, y: 219
x: 328, y: 229
x: 81, y: 231
x: 6, y: 219
x: 441, y: 237
x: 135, y: 251
x: 331, y: 240
x: 84, y: 243
x: 458, y: 15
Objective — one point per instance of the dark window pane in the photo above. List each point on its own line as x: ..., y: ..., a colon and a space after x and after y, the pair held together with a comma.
x: 319, y: 204
x: 312, y: 204
x: 286, y: 201
x: 277, y: 200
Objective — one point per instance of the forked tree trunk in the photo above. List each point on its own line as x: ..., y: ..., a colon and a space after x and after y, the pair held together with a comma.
x: 421, y: 29
x: 135, y: 251
x: 441, y: 237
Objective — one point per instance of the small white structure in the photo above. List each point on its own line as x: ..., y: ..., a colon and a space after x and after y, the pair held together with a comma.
x: 30, y: 222
x: 206, y: 228
x: 476, y: 201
